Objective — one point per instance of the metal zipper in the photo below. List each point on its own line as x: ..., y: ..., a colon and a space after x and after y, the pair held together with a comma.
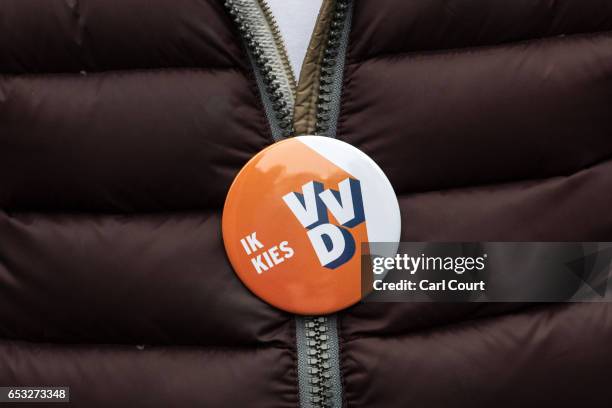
x: 317, y: 339
x: 318, y: 352
x: 280, y: 44
x: 267, y: 52
x: 332, y: 70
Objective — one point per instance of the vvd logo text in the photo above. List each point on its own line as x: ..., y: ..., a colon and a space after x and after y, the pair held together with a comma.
x: 333, y: 244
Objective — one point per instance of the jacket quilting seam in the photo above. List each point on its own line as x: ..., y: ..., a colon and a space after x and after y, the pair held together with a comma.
x: 479, y: 49
x: 501, y: 183
x: 126, y: 71
x: 529, y: 309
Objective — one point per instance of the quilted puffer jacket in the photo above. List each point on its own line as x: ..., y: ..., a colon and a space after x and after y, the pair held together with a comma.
x: 123, y: 124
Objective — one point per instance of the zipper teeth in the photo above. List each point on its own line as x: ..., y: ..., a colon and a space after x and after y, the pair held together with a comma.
x: 328, y: 66
x: 280, y: 43
x: 321, y: 349
x: 319, y: 366
x: 282, y: 104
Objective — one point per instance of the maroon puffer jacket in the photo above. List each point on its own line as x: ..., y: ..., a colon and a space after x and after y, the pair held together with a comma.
x: 122, y: 125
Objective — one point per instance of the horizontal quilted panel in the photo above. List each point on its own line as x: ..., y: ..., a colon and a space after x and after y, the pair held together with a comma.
x: 392, y: 26
x: 550, y: 356
x: 497, y: 114
x: 492, y: 120
x: 126, y: 141
x: 574, y: 208
x: 130, y: 376
x: 387, y: 319
x: 523, y: 211
x: 158, y: 279
x: 122, y: 125
x: 100, y: 35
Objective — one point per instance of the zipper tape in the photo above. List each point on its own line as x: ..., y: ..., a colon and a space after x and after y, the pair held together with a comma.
x: 332, y: 70
x: 317, y: 337
x: 318, y: 346
x: 318, y: 353
x: 266, y: 51
x: 305, y: 110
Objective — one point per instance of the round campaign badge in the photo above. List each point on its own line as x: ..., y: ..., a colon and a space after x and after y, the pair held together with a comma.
x: 299, y: 216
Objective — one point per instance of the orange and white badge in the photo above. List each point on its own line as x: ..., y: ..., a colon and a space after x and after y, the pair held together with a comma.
x: 295, y: 218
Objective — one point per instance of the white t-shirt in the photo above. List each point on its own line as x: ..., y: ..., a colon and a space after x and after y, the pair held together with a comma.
x: 296, y: 20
